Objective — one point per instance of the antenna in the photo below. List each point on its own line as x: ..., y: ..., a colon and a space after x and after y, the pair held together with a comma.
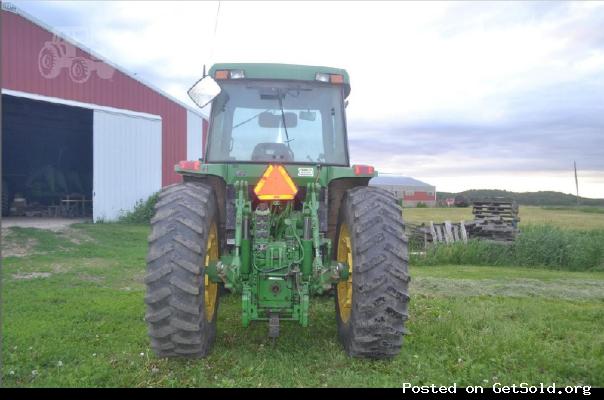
x: 214, y: 36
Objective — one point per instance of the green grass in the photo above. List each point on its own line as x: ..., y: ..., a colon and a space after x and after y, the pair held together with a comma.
x: 562, y: 217
x: 82, y: 325
x: 541, y: 246
x: 585, y: 209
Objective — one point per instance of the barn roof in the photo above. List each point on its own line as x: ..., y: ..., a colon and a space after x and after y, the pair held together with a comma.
x: 10, y: 7
x: 397, y: 181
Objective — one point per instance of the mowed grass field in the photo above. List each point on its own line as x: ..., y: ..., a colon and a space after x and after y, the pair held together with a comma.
x: 567, y: 218
x: 73, y: 316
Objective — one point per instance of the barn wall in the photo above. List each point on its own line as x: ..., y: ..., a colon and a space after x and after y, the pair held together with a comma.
x: 22, y: 43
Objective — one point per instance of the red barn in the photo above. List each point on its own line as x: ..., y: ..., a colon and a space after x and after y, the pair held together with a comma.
x: 75, y: 124
x: 409, y: 190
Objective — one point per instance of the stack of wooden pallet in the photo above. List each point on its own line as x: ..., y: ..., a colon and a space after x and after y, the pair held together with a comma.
x: 494, y: 219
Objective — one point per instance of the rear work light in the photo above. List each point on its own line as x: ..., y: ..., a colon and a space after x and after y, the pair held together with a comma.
x: 329, y: 78
x: 275, y: 184
x: 190, y: 165
x: 237, y: 74
x: 223, y: 74
x: 363, y: 169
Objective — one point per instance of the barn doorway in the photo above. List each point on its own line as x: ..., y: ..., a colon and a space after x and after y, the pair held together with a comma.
x: 47, y: 159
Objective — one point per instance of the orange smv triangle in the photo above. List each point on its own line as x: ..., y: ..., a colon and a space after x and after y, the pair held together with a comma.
x: 275, y: 184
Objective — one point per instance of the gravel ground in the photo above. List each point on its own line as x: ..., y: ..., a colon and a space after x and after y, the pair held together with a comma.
x: 22, y: 248
x: 53, y: 224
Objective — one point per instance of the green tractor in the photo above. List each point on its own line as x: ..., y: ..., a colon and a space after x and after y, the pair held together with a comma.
x: 274, y: 213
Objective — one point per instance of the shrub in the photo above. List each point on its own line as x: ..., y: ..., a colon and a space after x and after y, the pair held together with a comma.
x: 142, y: 212
x: 421, y: 205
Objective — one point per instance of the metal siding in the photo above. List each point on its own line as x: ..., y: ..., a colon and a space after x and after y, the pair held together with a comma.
x: 22, y: 41
x: 126, y: 162
x: 194, y: 136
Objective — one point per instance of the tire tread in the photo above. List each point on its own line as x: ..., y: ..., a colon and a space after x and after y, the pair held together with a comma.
x: 380, y: 274
x: 175, y: 315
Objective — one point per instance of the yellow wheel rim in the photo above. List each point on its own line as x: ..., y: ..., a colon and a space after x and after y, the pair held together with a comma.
x: 211, y: 288
x: 344, y: 288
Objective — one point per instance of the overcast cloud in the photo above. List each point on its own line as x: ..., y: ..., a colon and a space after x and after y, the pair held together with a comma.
x: 462, y: 95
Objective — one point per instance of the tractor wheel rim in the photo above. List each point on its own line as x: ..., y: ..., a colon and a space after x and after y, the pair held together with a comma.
x: 211, y: 288
x: 344, y: 288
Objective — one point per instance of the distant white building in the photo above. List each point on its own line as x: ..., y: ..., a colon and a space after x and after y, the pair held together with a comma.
x: 409, y: 190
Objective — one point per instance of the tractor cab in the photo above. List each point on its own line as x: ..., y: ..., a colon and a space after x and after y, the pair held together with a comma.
x: 256, y: 118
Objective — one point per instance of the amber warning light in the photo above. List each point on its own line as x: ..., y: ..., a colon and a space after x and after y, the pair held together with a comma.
x: 275, y: 184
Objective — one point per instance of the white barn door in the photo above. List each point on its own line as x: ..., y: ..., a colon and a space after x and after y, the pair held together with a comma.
x: 127, y: 162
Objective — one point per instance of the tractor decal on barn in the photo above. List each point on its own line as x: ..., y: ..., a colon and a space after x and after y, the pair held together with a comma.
x: 59, y: 54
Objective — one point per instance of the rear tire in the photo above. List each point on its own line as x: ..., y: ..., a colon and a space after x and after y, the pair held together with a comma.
x: 48, y: 61
x: 371, y: 321
x: 183, y: 228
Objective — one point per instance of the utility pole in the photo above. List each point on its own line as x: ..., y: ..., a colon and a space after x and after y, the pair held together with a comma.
x: 576, y: 182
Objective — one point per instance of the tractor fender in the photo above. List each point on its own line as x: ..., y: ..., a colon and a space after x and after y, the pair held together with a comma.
x: 336, y: 190
x: 220, y: 191
x: 103, y: 70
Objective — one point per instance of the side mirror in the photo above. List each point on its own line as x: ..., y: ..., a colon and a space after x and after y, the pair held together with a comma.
x: 204, y: 91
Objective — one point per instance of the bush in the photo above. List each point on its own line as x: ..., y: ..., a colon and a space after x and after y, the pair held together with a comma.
x: 421, y: 205
x: 537, y: 246
x: 142, y: 212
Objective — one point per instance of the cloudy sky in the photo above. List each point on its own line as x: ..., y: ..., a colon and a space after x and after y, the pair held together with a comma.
x: 458, y: 94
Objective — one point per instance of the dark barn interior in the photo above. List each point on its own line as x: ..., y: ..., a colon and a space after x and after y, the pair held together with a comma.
x: 46, y: 158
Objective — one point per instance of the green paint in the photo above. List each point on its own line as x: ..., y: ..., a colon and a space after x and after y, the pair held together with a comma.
x: 279, y: 257
x: 284, y: 269
x: 288, y: 72
x: 250, y: 173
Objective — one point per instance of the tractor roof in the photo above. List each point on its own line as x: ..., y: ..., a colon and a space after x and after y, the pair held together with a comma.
x: 283, y: 71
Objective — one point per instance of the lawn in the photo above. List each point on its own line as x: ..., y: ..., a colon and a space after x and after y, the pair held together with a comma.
x: 73, y: 316
x: 569, y: 218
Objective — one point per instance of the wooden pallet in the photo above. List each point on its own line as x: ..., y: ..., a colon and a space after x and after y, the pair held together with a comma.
x: 494, y: 219
x: 446, y: 232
